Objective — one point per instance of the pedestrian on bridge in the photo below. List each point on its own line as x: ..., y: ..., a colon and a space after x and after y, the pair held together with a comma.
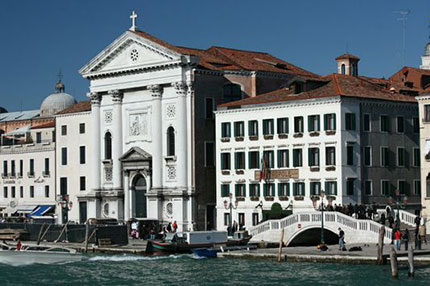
x: 341, y: 239
x: 406, y: 238
x: 423, y: 233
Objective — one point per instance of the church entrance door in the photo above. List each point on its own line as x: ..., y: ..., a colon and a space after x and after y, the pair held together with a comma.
x: 139, y: 202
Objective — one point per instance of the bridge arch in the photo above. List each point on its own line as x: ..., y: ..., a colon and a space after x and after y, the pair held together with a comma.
x: 313, y: 236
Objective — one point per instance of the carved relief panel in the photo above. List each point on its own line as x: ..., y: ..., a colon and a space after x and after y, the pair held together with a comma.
x: 139, y: 125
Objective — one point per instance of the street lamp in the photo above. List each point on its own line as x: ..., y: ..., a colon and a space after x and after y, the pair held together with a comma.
x: 230, y: 206
x: 321, y: 207
x: 397, y: 201
x: 66, y: 206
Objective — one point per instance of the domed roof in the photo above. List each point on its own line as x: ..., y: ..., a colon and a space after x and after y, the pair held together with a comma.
x: 57, y: 101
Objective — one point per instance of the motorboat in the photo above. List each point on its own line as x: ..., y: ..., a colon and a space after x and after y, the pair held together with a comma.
x: 30, y: 254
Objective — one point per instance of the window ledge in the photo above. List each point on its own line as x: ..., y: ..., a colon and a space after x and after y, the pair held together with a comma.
x: 283, y: 198
x: 314, y: 133
x: 330, y: 168
x: 107, y: 161
x: 225, y: 139
x: 253, y: 138
x: 225, y: 172
x: 238, y: 138
x: 170, y: 158
x: 255, y: 198
x: 283, y: 136
x: 299, y: 198
x: 240, y: 172
x: 269, y: 198
x: 298, y: 135
x: 268, y: 137
x: 315, y: 169
x: 240, y: 198
x: 330, y: 132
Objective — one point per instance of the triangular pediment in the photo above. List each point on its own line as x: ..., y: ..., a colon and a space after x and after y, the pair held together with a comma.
x: 130, y: 51
x: 135, y: 154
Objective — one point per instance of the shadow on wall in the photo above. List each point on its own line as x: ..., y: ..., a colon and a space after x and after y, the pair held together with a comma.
x: 312, y: 237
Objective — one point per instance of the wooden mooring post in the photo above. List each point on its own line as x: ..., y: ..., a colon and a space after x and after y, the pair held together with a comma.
x: 380, y: 250
x: 411, y: 271
x: 39, y: 237
x: 86, y: 236
x: 394, y: 264
x: 281, y: 242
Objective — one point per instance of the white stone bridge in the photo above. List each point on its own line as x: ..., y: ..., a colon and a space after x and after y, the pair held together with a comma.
x: 356, y: 230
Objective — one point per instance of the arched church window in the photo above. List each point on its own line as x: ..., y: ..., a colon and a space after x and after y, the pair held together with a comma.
x: 170, y: 141
x: 343, y: 69
x: 232, y: 92
x: 108, y: 146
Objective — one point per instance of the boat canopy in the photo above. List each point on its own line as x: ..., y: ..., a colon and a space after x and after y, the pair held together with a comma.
x: 41, y: 210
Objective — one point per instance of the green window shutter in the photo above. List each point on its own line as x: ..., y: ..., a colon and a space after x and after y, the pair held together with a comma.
x: 353, y: 121
x: 326, y: 188
x: 236, y: 160
x: 264, y: 127
x: 273, y: 190
x: 294, y: 189
x: 310, y: 127
x: 228, y: 130
x: 295, y: 158
x: 279, y: 189
x: 249, y: 160
x: 258, y: 160
x: 222, y: 161
x: 325, y: 121
x: 310, y: 159
x: 258, y: 190
x: 278, y: 125
x: 288, y: 189
x: 334, y: 121
x: 287, y: 125
x: 279, y: 158
x: 249, y: 128
x: 335, y: 188
x: 318, y: 123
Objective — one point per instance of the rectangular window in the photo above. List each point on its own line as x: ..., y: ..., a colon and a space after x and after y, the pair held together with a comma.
x: 31, y: 172
x: 368, y: 156
x: 225, y: 161
x: 269, y: 159
x: 268, y: 127
x: 350, y: 121
x: 299, y: 189
x: 400, y: 124
x: 239, y: 160
x: 21, y: 168
x: 64, y: 156
x: 4, y: 168
x: 315, y: 188
x: 38, y: 137
x: 12, y: 168
x: 297, y: 157
x: 226, y: 130
x: 255, y: 219
x: 239, y: 190
x: 417, y: 187
x: 82, y: 183
x: 63, y: 186
x: 313, y: 123
x: 330, y: 122
x: 331, y: 188
x: 209, y: 108
x: 81, y: 128
x: 283, y: 159
x: 209, y: 154
x: 282, y: 125
x: 254, y: 190
x: 366, y: 122
x: 63, y: 130
x: 385, y: 156
x: 12, y: 192
x: 253, y: 128
x: 314, y: 157
x: 5, y: 192
x: 46, y: 191
x: 350, y: 187
x: 283, y: 189
x: 401, y: 185
x: 350, y: 154
x: 21, y: 191
x: 385, y: 123
x: 385, y: 187
x: 416, y: 124
x: 269, y: 190
x: 226, y: 219
x: 330, y: 153
x: 46, y: 171
x: 241, y: 218
x: 426, y: 112
x: 400, y: 156
x: 239, y: 129
x: 427, y: 187
x: 81, y: 154
x: 417, y: 159
x: 368, y: 187
x: 254, y: 160
x: 298, y: 124
x: 31, y: 191
x: 225, y: 190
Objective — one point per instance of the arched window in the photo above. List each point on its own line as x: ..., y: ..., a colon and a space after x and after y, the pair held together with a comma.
x: 170, y: 141
x: 343, y: 69
x: 108, y: 146
x: 232, y: 92
x: 354, y: 70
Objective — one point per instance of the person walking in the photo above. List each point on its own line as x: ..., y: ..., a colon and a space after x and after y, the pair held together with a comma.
x: 406, y: 238
x: 397, y: 237
x: 341, y: 239
x: 175, y: 226
x: 423, y: 233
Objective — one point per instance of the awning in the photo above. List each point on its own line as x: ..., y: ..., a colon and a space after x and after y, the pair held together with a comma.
x: 41, y: 210
x: 19, y: 131
x: 23, y: 209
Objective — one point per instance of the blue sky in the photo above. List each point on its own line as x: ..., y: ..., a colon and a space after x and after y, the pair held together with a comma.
x: 40, y: 37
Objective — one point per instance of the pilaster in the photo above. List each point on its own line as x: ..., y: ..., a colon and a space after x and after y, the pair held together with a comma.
x: 96, y: 143
x: 117, y: 97
x: 181, y: 148
x: 157, y: 156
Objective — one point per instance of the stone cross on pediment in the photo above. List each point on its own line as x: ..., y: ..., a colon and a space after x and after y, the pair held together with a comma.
x: 133, y: 21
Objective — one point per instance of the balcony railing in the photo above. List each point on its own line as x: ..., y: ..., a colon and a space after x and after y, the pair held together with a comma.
x: 30, y: 174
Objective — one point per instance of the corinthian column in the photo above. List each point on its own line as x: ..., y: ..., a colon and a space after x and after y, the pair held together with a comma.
x: 95, y: 173
x: 157, y: 154
x: 116, y: 137
x: 181, y: 134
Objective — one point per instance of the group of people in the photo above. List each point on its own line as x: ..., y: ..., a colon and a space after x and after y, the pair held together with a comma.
x: 150, y: 230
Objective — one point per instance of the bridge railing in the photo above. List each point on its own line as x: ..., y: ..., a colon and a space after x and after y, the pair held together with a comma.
x: 405, y: 217
x: 315, y: 217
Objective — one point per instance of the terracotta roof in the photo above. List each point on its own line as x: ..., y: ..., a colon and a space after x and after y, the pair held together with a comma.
x: 44, y: 125
x: 78, y: 107
x: 347, y: 56
x: 220, y: 58
x: 418, y: 79
x: 338, y: 85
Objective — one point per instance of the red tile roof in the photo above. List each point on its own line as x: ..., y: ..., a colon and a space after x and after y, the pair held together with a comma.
x: 338, y: 85
x: 419, y: 78
x: 77, y: 107
x: 347, y: 56
x: 220, y: 58
x: 44, y: 125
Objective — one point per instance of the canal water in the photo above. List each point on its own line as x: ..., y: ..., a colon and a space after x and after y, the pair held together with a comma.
x: 189, y: 270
